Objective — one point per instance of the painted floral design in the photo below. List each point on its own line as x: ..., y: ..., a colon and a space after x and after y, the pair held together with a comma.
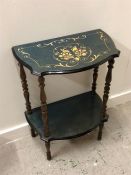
x: 72, y: 53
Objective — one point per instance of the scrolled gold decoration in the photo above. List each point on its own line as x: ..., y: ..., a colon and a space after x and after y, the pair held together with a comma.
x: 94, y: 57
x: 104, y: 38
x: 28, y: 56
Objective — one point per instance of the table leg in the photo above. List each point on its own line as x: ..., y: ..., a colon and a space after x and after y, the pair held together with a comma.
x: 33, y: 132
x: 47, y: 144
x: 44, y: 114
x: 106, y: 95
x: 25, y: 88
x: 95, y: 75
x: 26, y: 95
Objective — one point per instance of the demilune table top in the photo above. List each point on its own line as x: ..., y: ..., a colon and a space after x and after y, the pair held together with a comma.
x: 67, y: 54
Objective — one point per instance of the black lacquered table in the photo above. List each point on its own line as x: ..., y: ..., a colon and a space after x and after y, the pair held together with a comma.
x: 77, y: 115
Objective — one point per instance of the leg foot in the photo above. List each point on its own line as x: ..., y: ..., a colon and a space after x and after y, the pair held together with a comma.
x: 33, y: 133
x: 47, y: 144
x: 100, y: 131
x: 106, y: 118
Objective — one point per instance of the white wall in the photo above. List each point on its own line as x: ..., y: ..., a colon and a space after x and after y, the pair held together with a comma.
x: 23, y: 21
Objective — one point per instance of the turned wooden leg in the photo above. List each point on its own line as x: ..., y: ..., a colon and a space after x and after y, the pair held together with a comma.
x: 95, y: 75
x: 44, y: 114
x: 48, y: 153
x: 25, y: 88
x: 26, y: 94
x: 107, y: 87
x: 43, y: 106
x: 105, y: 96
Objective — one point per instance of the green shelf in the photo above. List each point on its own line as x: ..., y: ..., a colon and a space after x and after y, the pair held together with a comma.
x: 69, y: 118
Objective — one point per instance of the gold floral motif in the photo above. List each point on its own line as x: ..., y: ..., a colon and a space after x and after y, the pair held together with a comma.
x: 71, y: 53
x: 64, y: 55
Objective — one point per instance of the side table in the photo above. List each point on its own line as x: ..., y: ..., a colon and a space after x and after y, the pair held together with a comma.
x: 77, y: 115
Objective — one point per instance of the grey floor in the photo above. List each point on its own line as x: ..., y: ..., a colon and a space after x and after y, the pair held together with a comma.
x: 81, y: 156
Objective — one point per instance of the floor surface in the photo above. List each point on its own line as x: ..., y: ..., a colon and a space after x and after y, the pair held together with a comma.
x: 81, y: 156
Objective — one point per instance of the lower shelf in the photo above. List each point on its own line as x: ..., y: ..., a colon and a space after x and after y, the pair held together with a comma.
x: 69, y: 118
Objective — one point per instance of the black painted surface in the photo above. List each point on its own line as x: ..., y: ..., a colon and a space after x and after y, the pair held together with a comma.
x: 70, y: 117
x: 68, y: 54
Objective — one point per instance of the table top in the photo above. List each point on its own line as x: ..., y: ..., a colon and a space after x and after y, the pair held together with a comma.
x: 68, y: 54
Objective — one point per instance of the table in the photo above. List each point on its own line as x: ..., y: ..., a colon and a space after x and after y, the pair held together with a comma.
x: 75, y: 116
